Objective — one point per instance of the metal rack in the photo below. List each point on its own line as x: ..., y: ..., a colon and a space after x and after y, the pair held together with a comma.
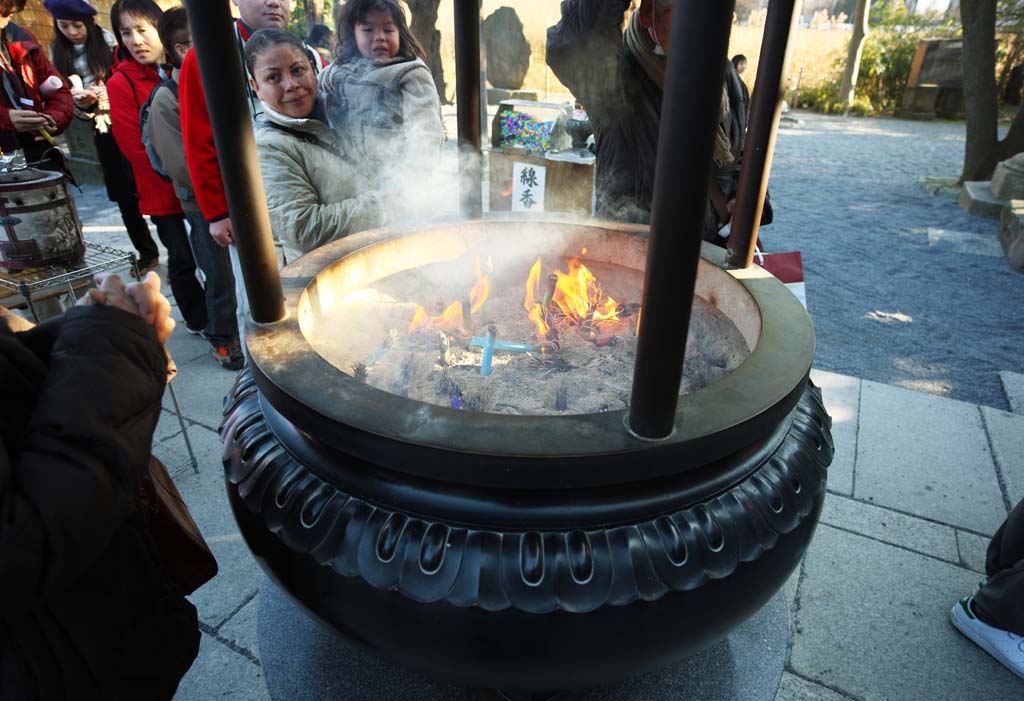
x: 26, y: 287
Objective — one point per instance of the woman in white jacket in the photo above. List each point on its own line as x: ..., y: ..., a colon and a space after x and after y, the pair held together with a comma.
x: 314, y: 192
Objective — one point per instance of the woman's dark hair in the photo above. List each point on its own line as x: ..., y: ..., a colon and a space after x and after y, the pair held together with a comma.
x: 354, y: 11
x: 144, y: 9
x: 736, y: 60
x: 266, y: 38
x: 9, y: 7
x: 97, y: 53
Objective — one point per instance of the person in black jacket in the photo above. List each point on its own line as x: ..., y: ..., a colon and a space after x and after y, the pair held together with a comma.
x: 619, y: 78
x: 87, y: 609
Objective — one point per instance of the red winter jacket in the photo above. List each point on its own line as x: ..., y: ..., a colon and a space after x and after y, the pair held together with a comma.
x: 200, y: 151
x: 128, y: 89
x: 31, y: 63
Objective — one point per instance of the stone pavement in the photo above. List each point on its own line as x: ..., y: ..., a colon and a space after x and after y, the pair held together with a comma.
x: 919, y: 483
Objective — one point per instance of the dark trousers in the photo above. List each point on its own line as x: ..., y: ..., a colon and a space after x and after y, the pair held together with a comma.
x: 1000, y: 603
x: 120, y: 183
x: 220, y: 282
x: 138, y: 230
x: 181, y: 270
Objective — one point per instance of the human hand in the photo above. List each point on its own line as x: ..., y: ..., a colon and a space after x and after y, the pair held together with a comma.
x: 140, y: 298
x: 223, y: 232
x: 28, y: 120
x: 85, y: 98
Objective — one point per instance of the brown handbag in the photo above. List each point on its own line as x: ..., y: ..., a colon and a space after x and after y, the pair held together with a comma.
x: 182, y: 548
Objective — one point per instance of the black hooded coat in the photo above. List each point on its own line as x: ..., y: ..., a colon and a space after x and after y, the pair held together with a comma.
x: 87, y: 610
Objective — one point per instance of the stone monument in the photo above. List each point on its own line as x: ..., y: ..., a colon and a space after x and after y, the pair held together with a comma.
x: 508, y: 55
x: 1008, y: 179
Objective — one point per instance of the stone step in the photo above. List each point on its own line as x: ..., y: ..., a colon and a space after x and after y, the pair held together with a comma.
x: 1011, y: 233
x: 1013, y: 388
x: 977, y: 198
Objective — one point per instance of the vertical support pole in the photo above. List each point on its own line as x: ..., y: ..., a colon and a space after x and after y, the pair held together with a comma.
x: 689, y: 117
x: 220, y: 67
x: 765, y: 112
x: 467, y: 96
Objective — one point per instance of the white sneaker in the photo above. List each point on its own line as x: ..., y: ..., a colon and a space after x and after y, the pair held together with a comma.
x: 1003, y: 645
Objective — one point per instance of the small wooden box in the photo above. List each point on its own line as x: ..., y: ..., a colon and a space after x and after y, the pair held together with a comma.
x: 570, y: 179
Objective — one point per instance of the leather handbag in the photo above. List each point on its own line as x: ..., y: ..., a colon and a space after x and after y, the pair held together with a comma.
x: 182, y: 548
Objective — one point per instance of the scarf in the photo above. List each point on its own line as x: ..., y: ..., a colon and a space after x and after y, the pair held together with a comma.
x: 640, y: 44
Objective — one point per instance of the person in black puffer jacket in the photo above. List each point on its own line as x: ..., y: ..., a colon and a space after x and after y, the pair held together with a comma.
x: 87, y: 609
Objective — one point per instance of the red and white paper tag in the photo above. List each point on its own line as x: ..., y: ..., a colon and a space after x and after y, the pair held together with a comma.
x: 788, y: 268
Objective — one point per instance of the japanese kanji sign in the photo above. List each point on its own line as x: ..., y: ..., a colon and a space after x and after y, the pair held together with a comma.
x: 528, y: 187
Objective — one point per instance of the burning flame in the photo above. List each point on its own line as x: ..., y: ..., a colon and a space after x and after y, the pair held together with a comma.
x: 451, y: 319
x: 609, y: 311
x: 576, y: 293
x: 482, y: 288
x: 532, y: 287
x: 536, y: 315
x: 534, y: 309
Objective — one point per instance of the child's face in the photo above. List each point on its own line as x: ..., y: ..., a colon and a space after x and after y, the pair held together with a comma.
x: 377, y: 37
x: 141, y: 39
x: 74, y: 31
x: 284, y: 79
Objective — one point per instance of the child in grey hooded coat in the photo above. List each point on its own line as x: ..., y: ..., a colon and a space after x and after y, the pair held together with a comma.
x: 379, y: 95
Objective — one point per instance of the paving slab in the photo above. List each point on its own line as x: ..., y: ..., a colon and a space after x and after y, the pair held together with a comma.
x: 1006, y: 433
x: 239, y: 575
x: 167, y: 426
x: 202, y: 385
x: 793, y: 688
x: 240, y: 629
x: 925, y: 537
x: 304, y: 660
x: 874, y: 623
x: 1013, y: 387
x: 842, y: 399
x: 973, y: 549
x: 927, y: 456
x: 221, y: 673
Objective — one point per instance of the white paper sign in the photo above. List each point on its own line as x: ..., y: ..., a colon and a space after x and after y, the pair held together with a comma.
x: 528, y: 187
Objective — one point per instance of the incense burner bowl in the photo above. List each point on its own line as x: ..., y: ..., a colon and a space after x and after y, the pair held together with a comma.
x: 528, y: 553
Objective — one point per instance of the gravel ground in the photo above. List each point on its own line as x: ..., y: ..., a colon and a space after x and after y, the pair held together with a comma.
x: 904, y: 287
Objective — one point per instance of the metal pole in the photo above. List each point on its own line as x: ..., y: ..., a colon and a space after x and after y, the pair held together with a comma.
x: 223, y: 76
x: 689, y: 117
x: 467, y: 97
x: 765, y: 112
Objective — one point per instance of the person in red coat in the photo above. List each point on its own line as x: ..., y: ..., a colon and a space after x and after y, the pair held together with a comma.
x: 136, y: 75
x: 25, y: 113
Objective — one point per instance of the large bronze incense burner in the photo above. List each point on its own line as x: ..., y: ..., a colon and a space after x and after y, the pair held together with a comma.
x: 530, y: 552
x: 524, y: 552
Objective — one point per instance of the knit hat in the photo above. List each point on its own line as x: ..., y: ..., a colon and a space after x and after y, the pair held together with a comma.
x: 73, y: 10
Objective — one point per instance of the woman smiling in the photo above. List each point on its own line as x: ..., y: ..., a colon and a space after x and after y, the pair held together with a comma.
x: 315, y: 194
